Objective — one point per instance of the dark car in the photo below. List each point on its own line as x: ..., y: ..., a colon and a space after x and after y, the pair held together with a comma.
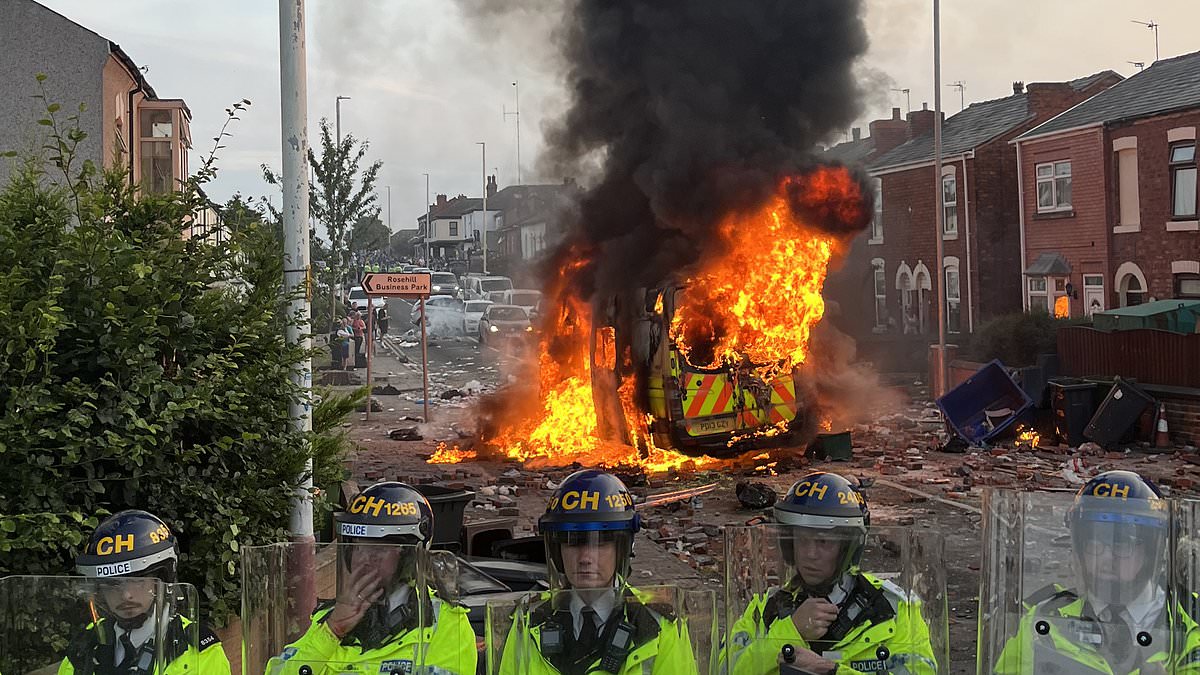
x: 503, y: 322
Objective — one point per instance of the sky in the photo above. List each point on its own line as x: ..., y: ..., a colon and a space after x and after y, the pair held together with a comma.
x: 427, y: 85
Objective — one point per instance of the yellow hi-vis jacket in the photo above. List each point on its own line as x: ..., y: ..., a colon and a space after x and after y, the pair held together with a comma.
x: 208, y: 657
x: 661, y: 644
x: 448, y: 642
x: 1030, y: 651
x: 898, y: 644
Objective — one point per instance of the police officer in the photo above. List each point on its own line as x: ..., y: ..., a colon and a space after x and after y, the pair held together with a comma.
x: 384, y: 614
x: 130, y: 553
x: 834, y: 616
x: 1116, y: 620
x: 598, y: 623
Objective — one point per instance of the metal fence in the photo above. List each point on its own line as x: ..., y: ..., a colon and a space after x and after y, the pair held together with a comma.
x: 1150, y: 356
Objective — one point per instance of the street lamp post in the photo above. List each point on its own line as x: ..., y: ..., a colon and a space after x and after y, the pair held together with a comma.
x: 334, y: 247
x: 428, y: 224
x: 939, y: 210
x: 483, y: 170
x: 517, y: 116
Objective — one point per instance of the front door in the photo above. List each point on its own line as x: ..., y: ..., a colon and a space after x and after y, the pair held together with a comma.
x: 1093, y: 293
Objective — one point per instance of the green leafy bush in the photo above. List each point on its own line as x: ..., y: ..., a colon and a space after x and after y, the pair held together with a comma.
x: 139, y: 369
x: 1017, y: 339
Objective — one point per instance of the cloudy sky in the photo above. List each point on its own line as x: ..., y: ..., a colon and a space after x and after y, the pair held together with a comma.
x: 426, y: 84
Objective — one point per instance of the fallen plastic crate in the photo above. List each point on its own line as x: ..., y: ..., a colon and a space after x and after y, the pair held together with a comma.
x: 986, y: 405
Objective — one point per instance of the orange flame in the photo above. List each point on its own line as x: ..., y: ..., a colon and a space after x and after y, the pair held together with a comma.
x: 750, y: 304
x: 1028, y: 437
x: 450, y: 455
x: 759, y: 301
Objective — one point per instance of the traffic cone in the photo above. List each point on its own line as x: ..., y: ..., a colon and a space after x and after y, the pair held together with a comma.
x: 1162, y: 437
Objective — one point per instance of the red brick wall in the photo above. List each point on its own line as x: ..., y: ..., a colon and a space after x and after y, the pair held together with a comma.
x: 1183, y: 417
x: 1153, y: 248
x: 1081, y: 235
x: 995, y: 230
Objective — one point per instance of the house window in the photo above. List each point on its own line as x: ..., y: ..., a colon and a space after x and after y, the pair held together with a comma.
x: 877, y: 221
x: 1132, y: 292
x: 1187, y: 286
x: 1127, y: 184
x: 950, y: 206
x: 953, y: 299
x: 454, y: 228
x: 156, y: 167
x: 1054, y: 187
x: 156, y: 123
x: 1183, y: 180
x: 880, y: 298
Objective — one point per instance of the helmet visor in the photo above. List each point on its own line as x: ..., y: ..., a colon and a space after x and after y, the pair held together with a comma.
x: 589, y: 559
x: 819, y: 556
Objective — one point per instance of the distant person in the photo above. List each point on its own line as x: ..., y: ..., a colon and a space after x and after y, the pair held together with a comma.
x: 345, y: 336
x: 360, y: 330
x: 381, y: 321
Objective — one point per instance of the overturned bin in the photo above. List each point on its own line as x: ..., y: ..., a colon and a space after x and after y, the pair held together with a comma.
x: 1118, y: 413
x: 986, y: 405
x: 1073, y: 402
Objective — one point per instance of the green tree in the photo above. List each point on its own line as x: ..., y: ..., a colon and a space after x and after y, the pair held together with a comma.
x: 369, y: 235
x: 341, y: 194
x: 139, y: 369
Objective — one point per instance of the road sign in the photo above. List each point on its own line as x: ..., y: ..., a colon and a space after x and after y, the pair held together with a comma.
x: 390, y: 285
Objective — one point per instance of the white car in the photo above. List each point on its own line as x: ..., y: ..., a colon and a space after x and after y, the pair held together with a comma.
x: 524, y: 298
x: 358, y: 300
x: 472, y: 312
x: 486, y: 288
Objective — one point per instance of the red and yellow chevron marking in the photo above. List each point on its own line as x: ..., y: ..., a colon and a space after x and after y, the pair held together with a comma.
x: 706, y: 395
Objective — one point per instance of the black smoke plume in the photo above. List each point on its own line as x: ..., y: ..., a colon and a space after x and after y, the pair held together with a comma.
x: 695, y: 109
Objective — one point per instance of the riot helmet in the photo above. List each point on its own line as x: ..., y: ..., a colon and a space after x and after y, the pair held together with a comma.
x: 588, y: 528
x: 824, y: 521
x: 386, y: 513
x: 1120, y: 527
x: 129, y: 553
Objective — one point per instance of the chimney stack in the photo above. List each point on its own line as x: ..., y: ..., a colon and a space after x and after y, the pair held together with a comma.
x: 856, y: 133
x: 491, y: 186
x: 888, y: 133
x: 1018, y: 87
x: 921, y: 121
x: 896, y: 114
x: 441, y: 200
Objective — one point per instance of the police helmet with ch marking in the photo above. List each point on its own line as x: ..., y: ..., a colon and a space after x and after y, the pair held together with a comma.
x: 131, y: 543
x: 590, y: 505
x: 390, y: 512
x: 825, y: 504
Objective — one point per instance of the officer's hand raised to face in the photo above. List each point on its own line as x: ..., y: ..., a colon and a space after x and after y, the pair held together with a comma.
x: 807, y: 660
x: 362, y: 589
x: 813, y: 618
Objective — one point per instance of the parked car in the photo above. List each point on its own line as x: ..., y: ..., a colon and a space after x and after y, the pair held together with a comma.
x: 525, y: 298
x: 472, y: 312
x: 504, y: 322
x: 359, y: 298
x: 438, y: 308
x: 486, y: 288
x: 444, y: 283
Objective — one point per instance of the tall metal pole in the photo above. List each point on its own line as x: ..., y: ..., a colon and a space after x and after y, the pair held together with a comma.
x: 293, y: 95
x: 424, y: 360
x: 517, y: 85
x: 428, y: 224
x: 939, y: 211
x: 483, y: 171
x: 389, y: 188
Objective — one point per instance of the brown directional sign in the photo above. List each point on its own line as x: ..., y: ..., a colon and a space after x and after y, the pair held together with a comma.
x: 389, y: 285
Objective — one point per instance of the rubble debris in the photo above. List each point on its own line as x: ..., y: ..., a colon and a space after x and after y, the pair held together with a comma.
x: 451, y: 394
x: 376, y: 406
x: 387, y: 390
x: 755, y: 496
x: 405, y: 434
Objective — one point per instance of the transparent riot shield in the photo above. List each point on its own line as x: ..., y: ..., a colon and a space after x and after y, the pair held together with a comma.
x: 1084, y: 585
x: 873, y: 603
x: 615, y: 630
x: 374, y: 608
x: 503, y: 624
x: 96, y: 624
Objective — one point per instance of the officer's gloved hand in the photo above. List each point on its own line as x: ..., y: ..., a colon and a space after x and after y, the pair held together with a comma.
x: 813, y: 618
x: 807, y: 661
x: 361, y: 590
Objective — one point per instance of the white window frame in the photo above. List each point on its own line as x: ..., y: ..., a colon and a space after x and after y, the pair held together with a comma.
x: 879, y: 281
x: 955, y: 298
x: 950, y: 207
x: 1173, y: 171
x: 876, y: 235
x: 1058, y: 170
